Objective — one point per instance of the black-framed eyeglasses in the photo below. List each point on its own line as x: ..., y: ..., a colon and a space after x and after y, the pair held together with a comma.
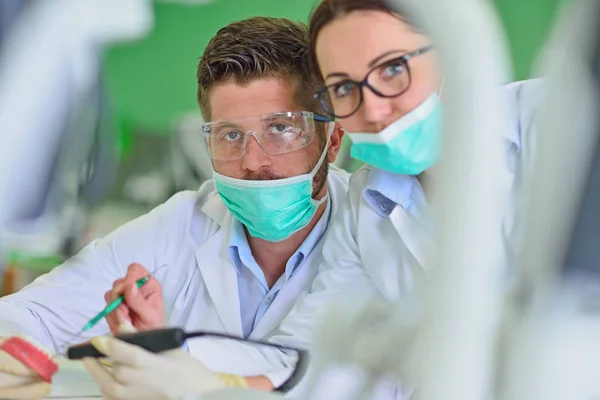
x: 389, y: 79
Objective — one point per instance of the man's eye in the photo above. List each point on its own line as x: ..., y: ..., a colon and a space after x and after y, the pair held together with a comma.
x: 230, y: 136
x: 280, y: 128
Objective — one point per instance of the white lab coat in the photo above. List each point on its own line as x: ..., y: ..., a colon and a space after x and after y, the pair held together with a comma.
x: 191, y: 262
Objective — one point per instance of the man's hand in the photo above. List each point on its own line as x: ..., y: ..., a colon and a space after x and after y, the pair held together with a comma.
x: 139, y: 374
x: 18, y: 381
x: 143, y: 308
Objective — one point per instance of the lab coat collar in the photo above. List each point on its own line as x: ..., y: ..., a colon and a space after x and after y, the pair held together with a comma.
x: 513, y: 135
x: 220, y: 276
x: 216, y: 209
x: 524, y: 98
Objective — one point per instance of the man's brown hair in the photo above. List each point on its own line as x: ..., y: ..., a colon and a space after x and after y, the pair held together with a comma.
x: 255, y: 48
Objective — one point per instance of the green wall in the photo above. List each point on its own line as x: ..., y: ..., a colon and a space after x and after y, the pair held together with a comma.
x: 153, y: 81
x: 527, y: 24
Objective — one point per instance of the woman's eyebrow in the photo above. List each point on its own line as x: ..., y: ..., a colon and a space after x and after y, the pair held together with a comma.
x: 337, y: 75
x: 371, y: 64
x: 387, y: 53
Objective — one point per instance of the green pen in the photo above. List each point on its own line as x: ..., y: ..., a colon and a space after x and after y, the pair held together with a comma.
x: 111, y: 307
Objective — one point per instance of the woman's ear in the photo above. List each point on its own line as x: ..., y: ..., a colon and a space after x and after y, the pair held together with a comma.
x: 335, y: 142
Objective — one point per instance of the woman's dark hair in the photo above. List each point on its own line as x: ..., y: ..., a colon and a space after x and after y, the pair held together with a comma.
x: 329, y: 10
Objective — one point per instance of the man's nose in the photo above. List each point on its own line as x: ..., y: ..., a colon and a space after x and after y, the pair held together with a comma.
x: 376, y: 109
x: 255, y: 157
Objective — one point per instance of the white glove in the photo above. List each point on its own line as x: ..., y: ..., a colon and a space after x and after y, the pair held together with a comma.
x: 139, y: 374
x: 18, y: 381
x: 125, y: 327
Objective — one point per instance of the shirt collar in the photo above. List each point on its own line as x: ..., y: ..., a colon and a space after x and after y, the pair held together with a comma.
x: 241, y: 254
x: 385, y: 190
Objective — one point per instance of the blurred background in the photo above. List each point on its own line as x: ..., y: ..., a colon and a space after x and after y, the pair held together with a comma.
x: 146, y: 124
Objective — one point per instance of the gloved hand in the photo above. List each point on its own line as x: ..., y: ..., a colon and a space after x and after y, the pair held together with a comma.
x: 124, y: 328
x: 18, y: 381
x: 139, y: 374
x: 143, y: 307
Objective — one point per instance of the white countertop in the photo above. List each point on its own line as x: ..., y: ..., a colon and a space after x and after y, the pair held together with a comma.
x: 73, y: 382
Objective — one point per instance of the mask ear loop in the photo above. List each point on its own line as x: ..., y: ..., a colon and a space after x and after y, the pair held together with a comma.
x: 325, y: 150
x: 320, y: 162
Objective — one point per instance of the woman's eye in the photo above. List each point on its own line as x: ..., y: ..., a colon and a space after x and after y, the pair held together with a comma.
x: 343, y: 89
x: 393, y: 69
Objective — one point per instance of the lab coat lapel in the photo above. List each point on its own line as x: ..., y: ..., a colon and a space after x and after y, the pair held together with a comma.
x: 415, y: 237
x: 396, y: 263
x: 218, y: 272
x: 383, y: 260
x: 272, y: 318
x: 287, y: 296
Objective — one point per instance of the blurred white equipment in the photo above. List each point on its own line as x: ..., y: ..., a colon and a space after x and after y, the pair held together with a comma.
x: 553, y: 326
x: 49, y: 65
x: 185, y: 167
x: 190, y: 161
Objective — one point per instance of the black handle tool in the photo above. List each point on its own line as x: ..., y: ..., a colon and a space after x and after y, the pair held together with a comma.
x: 159, y: 340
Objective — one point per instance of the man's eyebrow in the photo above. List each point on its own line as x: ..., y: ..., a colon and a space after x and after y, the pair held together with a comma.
x: 224, y: 124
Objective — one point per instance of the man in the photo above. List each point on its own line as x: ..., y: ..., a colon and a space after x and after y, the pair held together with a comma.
x: 233, y: 256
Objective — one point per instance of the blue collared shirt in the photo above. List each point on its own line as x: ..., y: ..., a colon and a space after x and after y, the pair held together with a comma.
x: 385, y: 190
x: 254, y: 294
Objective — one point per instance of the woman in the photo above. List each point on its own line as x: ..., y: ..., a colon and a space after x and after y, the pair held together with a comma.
x: 380, y: 73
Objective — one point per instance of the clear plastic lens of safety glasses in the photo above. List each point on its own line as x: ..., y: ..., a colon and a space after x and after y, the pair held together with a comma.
x: 280, y: 134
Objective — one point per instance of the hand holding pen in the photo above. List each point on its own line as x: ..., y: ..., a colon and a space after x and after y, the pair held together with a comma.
x: 142, y: 305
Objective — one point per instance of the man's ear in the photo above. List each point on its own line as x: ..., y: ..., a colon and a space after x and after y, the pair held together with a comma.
x: 335, y: 142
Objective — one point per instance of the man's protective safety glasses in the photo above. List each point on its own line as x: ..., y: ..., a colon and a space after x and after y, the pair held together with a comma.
x: 276, y: 134
x: 387, y: 79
